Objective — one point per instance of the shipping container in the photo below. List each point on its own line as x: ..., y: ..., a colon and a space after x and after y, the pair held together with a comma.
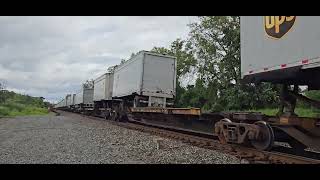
x: 69, y: 100
x: 73, y: 99
x: 281, y: 49
x: 85, y: 96
x: 103, y: 87
x: 146, y: 74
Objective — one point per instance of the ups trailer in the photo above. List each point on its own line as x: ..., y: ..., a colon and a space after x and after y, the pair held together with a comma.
x: 281, y: 49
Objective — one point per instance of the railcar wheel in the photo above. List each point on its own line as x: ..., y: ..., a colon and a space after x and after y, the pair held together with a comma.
x: 114, y: 116
x: 107, y: 115
x: 266, y: 137
x: 221, y: 136
x: 123, y: 117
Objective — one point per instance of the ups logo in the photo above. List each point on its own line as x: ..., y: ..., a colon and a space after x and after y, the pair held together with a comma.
x: 278, y: 26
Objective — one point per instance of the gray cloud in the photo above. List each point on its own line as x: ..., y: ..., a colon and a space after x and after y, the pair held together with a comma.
x: 52, y: 56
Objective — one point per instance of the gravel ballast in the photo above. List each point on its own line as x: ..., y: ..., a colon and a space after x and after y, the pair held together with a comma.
x: 71, y: 138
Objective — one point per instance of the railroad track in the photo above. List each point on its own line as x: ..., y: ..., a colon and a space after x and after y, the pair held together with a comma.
x: 251, y: 155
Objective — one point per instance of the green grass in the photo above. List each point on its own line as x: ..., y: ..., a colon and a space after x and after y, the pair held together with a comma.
x: 301, y: 112
x: 12, y: 109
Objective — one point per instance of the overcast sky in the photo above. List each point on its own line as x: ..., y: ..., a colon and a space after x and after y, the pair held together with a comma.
x: 52, y: 56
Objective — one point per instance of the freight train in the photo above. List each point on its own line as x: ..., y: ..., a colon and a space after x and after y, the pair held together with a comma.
x: 276, y: 49
x: 146, y: 80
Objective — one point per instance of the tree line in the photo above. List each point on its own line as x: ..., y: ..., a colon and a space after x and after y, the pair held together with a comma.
x: 211, y: 55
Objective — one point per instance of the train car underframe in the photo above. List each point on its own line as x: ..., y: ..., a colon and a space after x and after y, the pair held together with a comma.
x: 246, y: 128
x: 109, y: 109
x: 255, y: 129
x: 86, y: 109
x: 117, y: 108
x: 300, y: 133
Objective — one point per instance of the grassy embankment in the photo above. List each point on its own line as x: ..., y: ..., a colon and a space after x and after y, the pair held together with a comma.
x: 13, y: 104
x: 300, y: 111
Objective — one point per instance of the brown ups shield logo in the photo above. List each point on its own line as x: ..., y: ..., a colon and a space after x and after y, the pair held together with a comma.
x: 278, y: 26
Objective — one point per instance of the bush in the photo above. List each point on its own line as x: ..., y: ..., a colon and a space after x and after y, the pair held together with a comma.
x: 4, y: 111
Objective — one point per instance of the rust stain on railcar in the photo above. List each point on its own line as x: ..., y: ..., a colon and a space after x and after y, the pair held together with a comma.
x: 309, y: 124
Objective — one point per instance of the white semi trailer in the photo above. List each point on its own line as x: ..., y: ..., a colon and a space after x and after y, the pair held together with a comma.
x: 283, y: 50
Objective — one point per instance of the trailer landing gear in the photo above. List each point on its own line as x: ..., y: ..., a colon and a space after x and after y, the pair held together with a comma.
x: 287, y: 101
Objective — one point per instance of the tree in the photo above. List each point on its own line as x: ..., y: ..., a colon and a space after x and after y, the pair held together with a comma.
x: 2, y: 93
x: 185, y: 63
x: 88, y: 84
x: 122, y: 61
x: 132, y: 55
x: 182, y: 50
x: 2, y: 86
x: 112, y: 68
x: 216, y: 43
